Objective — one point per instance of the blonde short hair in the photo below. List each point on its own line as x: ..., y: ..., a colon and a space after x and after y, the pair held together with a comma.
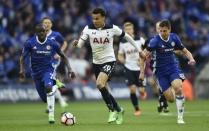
x: 128, y: 24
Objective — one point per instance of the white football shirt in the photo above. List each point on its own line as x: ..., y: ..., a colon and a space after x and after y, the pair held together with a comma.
x: 131, y: 54
x: 101, y: 41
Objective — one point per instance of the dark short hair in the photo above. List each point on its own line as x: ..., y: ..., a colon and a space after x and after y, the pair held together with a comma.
x: 38, y: 27
x: 99, y: 11
x: 165, y: 23
x: 46, y: 18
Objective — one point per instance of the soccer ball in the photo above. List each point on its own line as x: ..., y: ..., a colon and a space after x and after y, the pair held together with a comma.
x: 68, y: 119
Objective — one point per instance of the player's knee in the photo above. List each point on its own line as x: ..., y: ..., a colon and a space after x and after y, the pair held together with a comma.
x: 132, y: 89
x: 178, y: 90
x: 100, y: 85
x: 169, y: 95
x: 171, y: 99
x: 48, y: 89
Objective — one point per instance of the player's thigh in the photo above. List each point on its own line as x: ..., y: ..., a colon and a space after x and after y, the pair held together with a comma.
x: 177, y: 86
x: 105, y: 71
x: 40, y: 89
x: 169, y: 94
x: 102, y: 80
x: 163, y: 82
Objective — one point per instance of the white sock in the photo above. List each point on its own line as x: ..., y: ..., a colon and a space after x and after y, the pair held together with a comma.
x: 51, y: 101
x: 180, y: 106
x: 60, y: 98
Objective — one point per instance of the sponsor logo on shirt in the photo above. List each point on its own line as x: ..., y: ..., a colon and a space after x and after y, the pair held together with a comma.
x: 101, y: 40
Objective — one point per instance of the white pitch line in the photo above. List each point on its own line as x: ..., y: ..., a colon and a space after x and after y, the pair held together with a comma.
x: 191, y: 113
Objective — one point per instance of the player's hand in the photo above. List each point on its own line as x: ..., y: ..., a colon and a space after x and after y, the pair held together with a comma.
x: 21, y: 76
x: 56, y: 57
x: 141, y: 76
x: 192, y: 62
x: 75, y: 43
x: 71, y: 74
x: 141, y: 83
x: 141, y: 54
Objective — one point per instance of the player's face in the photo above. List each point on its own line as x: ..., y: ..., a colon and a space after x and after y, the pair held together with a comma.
x: 41, y: 33
x: 129, y: 30
x: 164, y: 32
x: 98, y: 20
x: 47, y: 24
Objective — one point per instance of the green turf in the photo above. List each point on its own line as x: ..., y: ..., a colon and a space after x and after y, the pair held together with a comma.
x: 92, y: 116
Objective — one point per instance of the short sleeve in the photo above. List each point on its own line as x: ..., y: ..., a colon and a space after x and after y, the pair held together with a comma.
x: 56, y: 47
x: 59, y: 38
x: 26, y: 49
x: 84, y: 34
x: 151, y: 46
x: 178, y: 43
x: 117, y: 31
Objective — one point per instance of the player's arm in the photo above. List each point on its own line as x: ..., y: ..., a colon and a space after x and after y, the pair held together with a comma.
x: 179, y: 52
x: 67, y: 63
x: 121, y: 54
x: 132, y: 42
x: 78, y: 43
x: 25, y: 52
x: 187, y: 53
x: 62, y: 42
x: 22, y: 70
x: 121, y: 58
x: 118, y: 32
x: 150, y: 45
x: 82, y: 39
x: 64, y: 46
x: 189, y: 56
x: 142, y: 63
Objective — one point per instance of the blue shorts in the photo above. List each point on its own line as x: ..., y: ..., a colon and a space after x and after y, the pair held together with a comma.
x: 165, y: 80
x: 43, y: 81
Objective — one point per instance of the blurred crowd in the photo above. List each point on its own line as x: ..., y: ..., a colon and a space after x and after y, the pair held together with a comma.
x: 189, y: 19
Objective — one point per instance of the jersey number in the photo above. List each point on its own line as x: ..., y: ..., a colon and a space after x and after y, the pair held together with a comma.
x: 107, y: 68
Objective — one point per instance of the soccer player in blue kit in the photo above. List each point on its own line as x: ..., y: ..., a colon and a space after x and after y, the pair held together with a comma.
x: 41, y: 51
x: 166, y: 68
x: 151, y: 79
x: 54, y: 35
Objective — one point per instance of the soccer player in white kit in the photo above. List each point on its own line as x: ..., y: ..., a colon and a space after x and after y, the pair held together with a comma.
x: 129, y: 56
x: 101, y: 36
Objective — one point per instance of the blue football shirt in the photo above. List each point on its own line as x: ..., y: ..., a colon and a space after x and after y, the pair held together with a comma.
x: 165, y: 60
x: 41, y: 54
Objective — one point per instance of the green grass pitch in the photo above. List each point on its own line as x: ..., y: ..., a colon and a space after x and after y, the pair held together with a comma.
x: 92, y: 116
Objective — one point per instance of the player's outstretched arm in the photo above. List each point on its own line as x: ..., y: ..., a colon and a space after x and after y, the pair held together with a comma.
x: 131, y: 41
x: 142, y: 68
x: 67, y: 63
x: 22, y: 70
x: 188, y: 54
x: 78, y: 43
